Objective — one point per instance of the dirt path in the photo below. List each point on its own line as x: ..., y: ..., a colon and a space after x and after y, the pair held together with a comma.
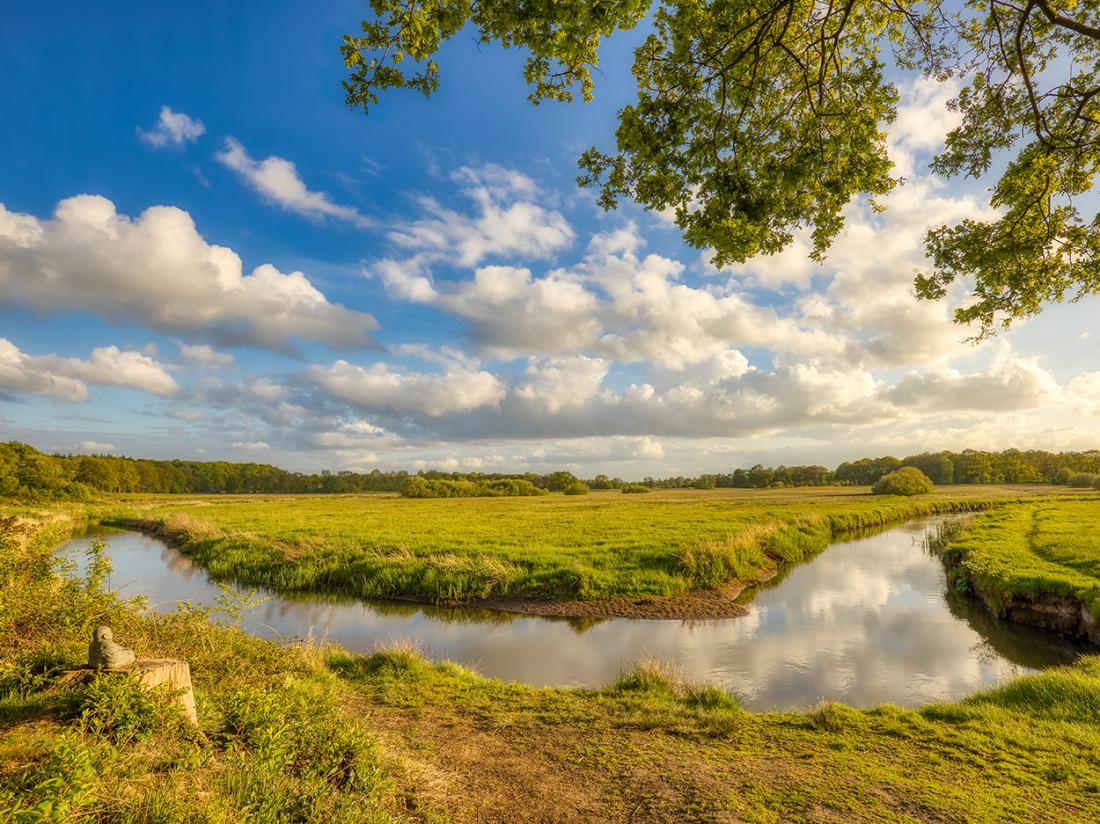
x: 542, y: 774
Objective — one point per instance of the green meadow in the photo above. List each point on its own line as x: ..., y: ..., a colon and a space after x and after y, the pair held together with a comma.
x: 1030, y: 553
x: 549, y: 547
x: 313, y: 733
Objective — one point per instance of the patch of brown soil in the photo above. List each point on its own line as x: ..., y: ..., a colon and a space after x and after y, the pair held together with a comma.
x: 694, y: 606
x: 700, y: 604
x: 541, y: 775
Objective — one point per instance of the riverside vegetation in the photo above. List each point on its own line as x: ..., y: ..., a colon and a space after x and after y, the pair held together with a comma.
x: 582, y: 549
x: 308, y: 732
x: 1035, y: 563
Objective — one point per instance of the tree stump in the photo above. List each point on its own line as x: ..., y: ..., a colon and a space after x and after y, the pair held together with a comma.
x: 152, y: 672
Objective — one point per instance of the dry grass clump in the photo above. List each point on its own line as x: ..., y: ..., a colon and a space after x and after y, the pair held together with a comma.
x: 737, y: 556
x: 185, y: 525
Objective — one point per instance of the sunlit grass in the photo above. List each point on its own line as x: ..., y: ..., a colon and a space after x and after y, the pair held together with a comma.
x: 319, y: 734
x: 1028, y: 551
x: 557, y: 546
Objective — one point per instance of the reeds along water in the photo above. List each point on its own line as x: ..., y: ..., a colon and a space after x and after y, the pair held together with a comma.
x: 937, y: 539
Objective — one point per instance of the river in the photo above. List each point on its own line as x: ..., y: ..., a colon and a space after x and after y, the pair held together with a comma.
x: 867, y: 621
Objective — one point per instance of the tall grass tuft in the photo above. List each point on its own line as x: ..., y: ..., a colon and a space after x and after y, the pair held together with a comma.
x: 937, y: 539
x: 651, y: 675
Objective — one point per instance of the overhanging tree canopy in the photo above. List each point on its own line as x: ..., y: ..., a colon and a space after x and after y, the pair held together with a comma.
x: 758, y: 118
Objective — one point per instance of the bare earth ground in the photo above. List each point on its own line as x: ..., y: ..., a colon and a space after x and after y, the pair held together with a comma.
x: 526, y: 756
x: 701, y: 604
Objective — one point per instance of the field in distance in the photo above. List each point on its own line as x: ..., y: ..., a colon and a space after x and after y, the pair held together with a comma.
x: 551, y: 549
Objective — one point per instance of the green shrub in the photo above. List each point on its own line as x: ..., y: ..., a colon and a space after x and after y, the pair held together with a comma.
x: 58, y: 789
x: 256, y: 720
x: 577, y: 488
x: 418, y: 487
x: 1063, y: 475
x: 30, y: 671
x: 303, y: 737
x: 1081, y: 480
x: 119, y: 709
x: 1096, y: 482
x: 905, y: 481
x: 515, y: 487
x: 634, y: 489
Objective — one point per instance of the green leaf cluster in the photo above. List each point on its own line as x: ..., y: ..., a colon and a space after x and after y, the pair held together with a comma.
x: 757, y: 119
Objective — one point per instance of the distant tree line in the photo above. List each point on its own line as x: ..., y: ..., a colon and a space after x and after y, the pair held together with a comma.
x: 420, y: 487
x: 27, y: 473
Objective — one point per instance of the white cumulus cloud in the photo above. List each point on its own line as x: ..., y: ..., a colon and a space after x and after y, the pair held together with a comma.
x: 158, y: 270
x: 1010, y: 383
x: 172, y: 129
x: 67, y: 379
x: 96, y: 446
x: 381, y: 388
x: 203, y: 354
x: 507, y: 221
x: 277, y: 180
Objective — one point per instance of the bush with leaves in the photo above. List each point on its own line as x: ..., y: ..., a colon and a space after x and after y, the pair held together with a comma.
x: 59, y: 788
x: 905, y: 481
x: 119, y: 709
x: 417, y: 487
x: 304, y: 738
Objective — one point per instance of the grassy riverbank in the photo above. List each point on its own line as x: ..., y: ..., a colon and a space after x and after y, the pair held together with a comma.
x: 275, y: 745
x: 599, y: 546
x: 318, y: 734
x: 1036, y: 563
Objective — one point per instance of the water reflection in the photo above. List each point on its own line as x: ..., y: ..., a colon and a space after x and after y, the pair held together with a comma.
x: 865, y: 622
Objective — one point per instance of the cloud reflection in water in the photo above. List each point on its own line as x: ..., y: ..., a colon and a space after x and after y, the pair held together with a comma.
x: 865, y: 622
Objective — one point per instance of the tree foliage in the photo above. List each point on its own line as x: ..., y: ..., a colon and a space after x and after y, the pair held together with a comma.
x: 905, y: 481
x: 418, y: 487
x: 755, y: 119
x: 1081, y: 480
x: 27, y: 473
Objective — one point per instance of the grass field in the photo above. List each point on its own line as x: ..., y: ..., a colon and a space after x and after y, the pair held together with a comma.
x: 553, y: 547
x: 293, y: 733
x: 1045, y: 554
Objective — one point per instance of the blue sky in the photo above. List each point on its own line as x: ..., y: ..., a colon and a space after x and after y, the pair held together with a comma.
x: 204, y: 253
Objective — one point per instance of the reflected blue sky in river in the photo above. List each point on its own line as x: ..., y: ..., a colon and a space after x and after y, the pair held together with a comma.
x: 866, y: 622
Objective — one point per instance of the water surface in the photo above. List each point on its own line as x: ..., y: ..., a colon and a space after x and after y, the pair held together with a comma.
x: 867, y: 621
